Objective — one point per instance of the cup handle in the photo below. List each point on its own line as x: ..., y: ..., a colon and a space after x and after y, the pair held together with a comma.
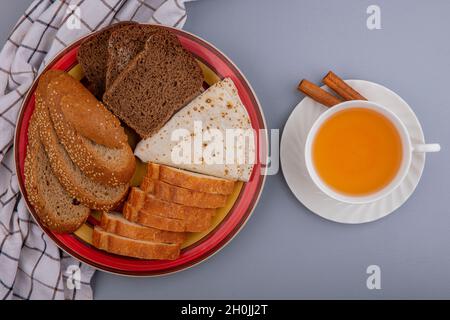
x: 431, y: 147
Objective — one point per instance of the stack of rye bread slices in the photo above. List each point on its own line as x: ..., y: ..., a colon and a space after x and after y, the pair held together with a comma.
x: 141, y: 72
x: 157, y: 215
x: 78, y: 157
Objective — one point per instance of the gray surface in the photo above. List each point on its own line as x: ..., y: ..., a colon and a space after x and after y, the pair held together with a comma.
x: 285, y: 251
x: 10, y: 11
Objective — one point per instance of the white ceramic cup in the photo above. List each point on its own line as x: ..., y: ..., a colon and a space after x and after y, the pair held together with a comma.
x: 408, y: 149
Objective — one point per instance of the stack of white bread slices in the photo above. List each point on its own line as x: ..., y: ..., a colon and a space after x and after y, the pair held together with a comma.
x: 156, y: 217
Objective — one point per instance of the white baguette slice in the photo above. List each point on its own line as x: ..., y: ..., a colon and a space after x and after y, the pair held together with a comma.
x: 141, y: 201
x: 189, y: 180
x: 171, y: 193
x: 153, y: 219
x: 141, y: 249
x: 116, y: 223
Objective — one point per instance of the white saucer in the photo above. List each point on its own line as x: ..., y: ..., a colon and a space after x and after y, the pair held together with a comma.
x: 294, y: 168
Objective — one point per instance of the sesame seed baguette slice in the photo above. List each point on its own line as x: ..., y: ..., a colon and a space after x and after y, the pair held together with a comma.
x: 190, y: 180
x: 117, y: 224
x: 141, y: 201
x: 90, y: 193
x: 152, y: 219
x: 105, y: 165
x: 56, y: 209
x: 141, y: 249
x: 107, y: 130
x: 171, y: 193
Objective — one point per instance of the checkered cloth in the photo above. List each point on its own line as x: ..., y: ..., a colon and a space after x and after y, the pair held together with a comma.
x: 31, y: 266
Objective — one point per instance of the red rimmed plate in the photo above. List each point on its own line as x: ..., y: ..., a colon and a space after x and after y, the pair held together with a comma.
x: 215, y: 66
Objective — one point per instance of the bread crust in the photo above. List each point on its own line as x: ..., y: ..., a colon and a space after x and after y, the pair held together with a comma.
x: 153, y: 212
x: 171, y: 193
x: 44, y: 208
x: 107, y: 130
x: 150, y: 219
x: 94, y: 160
x: 90, y: 193
x: 133, y: 248
x: 147, y: 202
x: 116, y: 224
x: 189, y: 180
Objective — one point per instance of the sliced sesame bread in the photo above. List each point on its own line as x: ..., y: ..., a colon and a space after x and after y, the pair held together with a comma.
x: 123, y: 45
x: 142, y: 201
x: 150, y: 219
x: 107, y: 130
x: 171, y: 193
x: 88, y: 192
x: 56, y: 209
x: 116, y: 223
x: 109, y: 166
x: 155, y: 84
x: 142, y: 249
x: 93, y: 56
x: 189, y: 180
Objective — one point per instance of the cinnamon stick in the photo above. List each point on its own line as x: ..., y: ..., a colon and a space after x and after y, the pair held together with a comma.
x: 318, y: 94
x: 341, y: 88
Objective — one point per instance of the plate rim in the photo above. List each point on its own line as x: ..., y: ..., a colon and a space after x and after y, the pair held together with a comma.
x: 263, y: 144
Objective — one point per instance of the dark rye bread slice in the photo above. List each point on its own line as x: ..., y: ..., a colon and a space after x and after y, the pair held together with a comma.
x: 123, y: 45
x: 108, y: 166
x: 88, y: 192
x: 159, y: 81
x: 93, y: 56
x: 55, y: 208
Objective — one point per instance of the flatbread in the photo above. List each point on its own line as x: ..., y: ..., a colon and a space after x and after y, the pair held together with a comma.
x: 211, y: 135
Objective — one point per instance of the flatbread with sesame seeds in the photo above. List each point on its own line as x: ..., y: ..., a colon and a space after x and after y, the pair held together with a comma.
x: 212, y: 135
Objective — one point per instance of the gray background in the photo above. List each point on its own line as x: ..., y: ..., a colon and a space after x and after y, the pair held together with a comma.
x: 285, y: 251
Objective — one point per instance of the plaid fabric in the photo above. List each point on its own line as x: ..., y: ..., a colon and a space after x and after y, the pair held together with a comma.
x: 31, y: 266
